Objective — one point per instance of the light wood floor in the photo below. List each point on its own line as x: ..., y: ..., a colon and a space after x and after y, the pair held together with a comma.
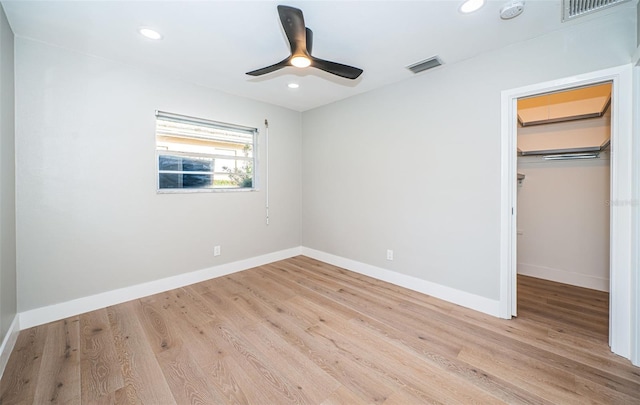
x: 301, y: 331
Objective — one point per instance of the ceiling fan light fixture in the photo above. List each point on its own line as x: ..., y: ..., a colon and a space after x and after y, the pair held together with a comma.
x: 469, y: 6
x: 300, y: 39
x: 300, y: 61
x: 149, y: 33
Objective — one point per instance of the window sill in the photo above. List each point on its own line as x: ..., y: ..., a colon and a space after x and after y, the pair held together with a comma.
x: 204, y: 190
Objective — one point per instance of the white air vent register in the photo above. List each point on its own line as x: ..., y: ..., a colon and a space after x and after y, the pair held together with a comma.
x: 577, y: 8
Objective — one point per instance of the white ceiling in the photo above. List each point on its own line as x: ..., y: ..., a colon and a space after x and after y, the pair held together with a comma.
x: 213, y: 43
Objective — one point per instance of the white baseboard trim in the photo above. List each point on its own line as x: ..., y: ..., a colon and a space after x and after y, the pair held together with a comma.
x: 563, y: 276
x: 462, y: 298
x: 51, y: 313
x: 8, y: 343
x: 40, y: 316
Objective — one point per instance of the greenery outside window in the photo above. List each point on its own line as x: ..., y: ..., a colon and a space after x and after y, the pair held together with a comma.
x: 196, y: 154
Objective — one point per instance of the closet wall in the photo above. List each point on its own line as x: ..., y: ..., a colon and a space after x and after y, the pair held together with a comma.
x: 563, y: 213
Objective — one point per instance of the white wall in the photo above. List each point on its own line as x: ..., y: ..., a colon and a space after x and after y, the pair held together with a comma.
x: 415, y: 166
x: 7, y: 181
x: 89, y: 218
x: 563, y: 220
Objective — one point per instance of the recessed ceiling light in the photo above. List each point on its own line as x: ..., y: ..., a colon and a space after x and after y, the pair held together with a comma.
x: 293, y: 85
x: 149, y: 33
x: 469, y: 6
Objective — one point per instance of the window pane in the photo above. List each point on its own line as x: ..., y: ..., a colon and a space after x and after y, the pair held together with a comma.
x: 196, y: 165
x: 166, y: 162
x: 170, y: 180
x: 184, y: 164
x: 238, y: 172
x: 223, y: 165
x: 222, y: 180
x: 196, y: 180
x: 180, y: 180
x: 224, y: 155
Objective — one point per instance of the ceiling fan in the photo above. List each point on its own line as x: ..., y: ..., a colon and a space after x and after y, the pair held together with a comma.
x: 301, y: 41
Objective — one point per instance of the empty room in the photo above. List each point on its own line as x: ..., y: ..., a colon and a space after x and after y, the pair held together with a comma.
x: 319, y: 202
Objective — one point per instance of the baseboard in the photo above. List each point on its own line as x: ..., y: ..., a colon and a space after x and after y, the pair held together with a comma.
x: 51, y: 313
x: 563, y: 276
x: 462, y: 298
x: 40, y: 316
x: 8, y: 343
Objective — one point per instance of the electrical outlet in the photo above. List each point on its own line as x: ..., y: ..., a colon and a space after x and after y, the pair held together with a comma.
x: 216, y: 250
x: 389, y: 254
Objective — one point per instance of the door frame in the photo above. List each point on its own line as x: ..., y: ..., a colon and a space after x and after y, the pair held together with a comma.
x: 635, y: 275
x: 623, y: 323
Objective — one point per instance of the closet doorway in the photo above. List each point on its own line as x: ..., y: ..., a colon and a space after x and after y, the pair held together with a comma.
x: 563, y: 221
x: 622, y: 323
x: 564, y: 186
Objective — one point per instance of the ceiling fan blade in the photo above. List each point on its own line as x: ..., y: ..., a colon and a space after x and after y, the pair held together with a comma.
x: 309, y: 40
x: 293, y: 25
x: 269, y: 69
x: 338, y: 69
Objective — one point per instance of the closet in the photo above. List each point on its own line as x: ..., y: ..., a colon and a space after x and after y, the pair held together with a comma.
x: 564, y: 186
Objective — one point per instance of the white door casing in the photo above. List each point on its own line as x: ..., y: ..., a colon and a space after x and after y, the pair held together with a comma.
x: 623, y: 322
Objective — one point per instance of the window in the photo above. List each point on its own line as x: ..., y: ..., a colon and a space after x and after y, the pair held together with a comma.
x: 198, y: 154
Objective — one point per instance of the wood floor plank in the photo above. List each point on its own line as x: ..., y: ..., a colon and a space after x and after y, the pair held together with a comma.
x: 208, y: 351
x: 59, y: 374
x: 223, y: 301
x: 254, y: 311
x: 235, y: 371
x: 187, y: 380
x: 596, y: 393
x: 440, y: 352
x: 586, y: 352
x: 188, y: 304
x: 231, y: 292
x: 371, y: 303
x: 304, y: 373
x: 287, y: 391
x: 229, y: 379
x: 423, y: 379
x: 143, y: 378
x: 156, y: 320
x: 19, y: 381
x: 402, y: 397
x: 369, y: 388
x: 301, y: 331
x: 555, y: 388
x: 100, y: 372
x: 342, y: 396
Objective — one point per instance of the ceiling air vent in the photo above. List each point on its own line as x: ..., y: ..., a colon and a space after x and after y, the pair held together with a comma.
x: 577, y: 8
x: 425, y: 65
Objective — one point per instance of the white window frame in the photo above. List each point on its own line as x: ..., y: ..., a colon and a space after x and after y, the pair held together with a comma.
x: 216, y: 125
